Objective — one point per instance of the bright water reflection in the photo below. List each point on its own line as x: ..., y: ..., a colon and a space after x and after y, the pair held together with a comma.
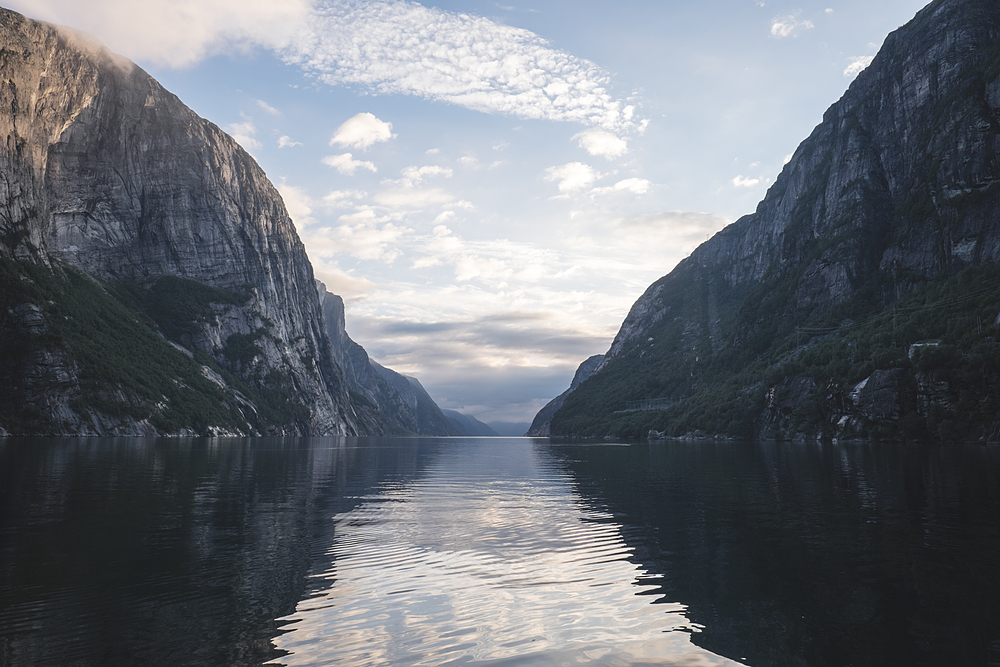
x: 488, y: 557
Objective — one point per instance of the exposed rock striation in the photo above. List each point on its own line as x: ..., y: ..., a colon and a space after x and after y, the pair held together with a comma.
x: 894, y: 192
x: 105, y: 171
x: 386, y: 402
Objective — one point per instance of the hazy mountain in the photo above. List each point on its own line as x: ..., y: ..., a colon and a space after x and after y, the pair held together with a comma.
x: 467, y: 424
x: 861, y: 298
x: 539, y: 427
x: 379, y: 402
x: 151, y: 280
x: 510, y: 429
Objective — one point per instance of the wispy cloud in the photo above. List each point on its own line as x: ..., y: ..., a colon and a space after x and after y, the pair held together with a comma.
x: 347, y: 165
x: 245, y: 133
x: 396, y: 47
x: 176, y: 33
x: 267, y: 108
x: 788, y: 26
x: 287, y: 142
x: 857, y: 64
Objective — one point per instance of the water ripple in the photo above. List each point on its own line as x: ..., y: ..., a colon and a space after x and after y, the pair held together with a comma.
x: 485, y: 559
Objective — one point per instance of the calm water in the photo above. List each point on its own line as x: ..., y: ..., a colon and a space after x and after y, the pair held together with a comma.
x: 496, y: 552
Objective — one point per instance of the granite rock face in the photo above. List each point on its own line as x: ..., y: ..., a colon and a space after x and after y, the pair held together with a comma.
x: 390, y: 403
x: 898, y: 186
x: 106, y: 171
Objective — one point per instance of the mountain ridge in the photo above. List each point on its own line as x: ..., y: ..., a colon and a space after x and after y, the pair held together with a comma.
x: 892, y: 196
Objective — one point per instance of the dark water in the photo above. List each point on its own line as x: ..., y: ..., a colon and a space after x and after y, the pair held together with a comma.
x: 497, y: 552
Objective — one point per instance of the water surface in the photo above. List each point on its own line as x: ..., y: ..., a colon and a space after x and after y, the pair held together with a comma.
x: 496, y: 552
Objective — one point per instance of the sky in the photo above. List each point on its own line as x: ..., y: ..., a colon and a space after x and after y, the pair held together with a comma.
x: 491, y: 186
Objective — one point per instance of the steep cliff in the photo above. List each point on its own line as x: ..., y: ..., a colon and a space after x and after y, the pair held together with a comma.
x: 541, y: 425
x: 380, y: 406
x: 881, y: 233
x: 116, y: 193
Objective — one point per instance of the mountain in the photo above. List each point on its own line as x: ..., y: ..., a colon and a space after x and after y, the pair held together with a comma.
x: 540, y: 426
x: 151, y: 280
x: 468, y: 425
x: 386, y: 402
x: 861, y: 298
x: 509, y: 429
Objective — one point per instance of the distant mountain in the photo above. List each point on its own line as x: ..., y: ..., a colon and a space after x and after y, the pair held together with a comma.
x: 151, y: 280
x: 861, y: 299
x: 385, y: 401
x: 510, y: 429
x: 540, y: 426
x: 468, y: 425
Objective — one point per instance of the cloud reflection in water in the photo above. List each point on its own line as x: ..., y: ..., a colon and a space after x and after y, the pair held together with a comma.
x: 488, y: 558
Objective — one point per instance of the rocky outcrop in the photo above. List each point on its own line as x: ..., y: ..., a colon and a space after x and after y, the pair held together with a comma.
x: 541, y: 425
x: 895, y: 191
x: 106, y: 171
x: 388, y: 403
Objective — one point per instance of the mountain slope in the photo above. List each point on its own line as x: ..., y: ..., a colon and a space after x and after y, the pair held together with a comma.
x: 380, y: 406
x: 109, y: 178
x: 883, y: 231
x: 468, y: 425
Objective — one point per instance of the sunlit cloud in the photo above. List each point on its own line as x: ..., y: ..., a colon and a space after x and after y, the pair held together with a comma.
x: 636, y: 186
x: 362, y: 131
x: 267, y: 108
x: 396, y: 47
x: 601, y: 142
x: 287, y: 142
x: 176, y: 33
x: 856, y: 65
x: 245, y: 133
x: 571, y: 177
x: 745, y: 181
x: 347, y: 165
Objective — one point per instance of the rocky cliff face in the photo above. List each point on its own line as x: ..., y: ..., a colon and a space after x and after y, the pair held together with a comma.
x: 105, y: 171
x: 541, y: 424
x: 385, y: 401
x: 896, y: 190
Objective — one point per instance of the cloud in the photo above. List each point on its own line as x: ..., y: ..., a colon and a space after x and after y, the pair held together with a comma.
x: 417, y: 174
x: 637, y: 186
x: 745, y: 182
x: 396, y: 47
x: 286, y: 142
x: 601, y: 142
x: 341, y: 198
x: 571, y: 177
x: 364, y: 235
x: 410, y: 198
x: 857, y: 65
x: 362, y: 131
x: 347, y: 165
x: 245, y: 133
x: 267, y: 108
x: 298, y: 204
x: 176, y: 33
x: 787, y: 26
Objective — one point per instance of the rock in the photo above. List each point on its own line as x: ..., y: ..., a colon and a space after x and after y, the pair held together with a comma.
x: 389, y: 411
x: 898, y: 186
x: 108, y: 172
x: 541, y: 425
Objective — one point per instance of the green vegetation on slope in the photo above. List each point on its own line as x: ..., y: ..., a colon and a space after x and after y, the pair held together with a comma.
x: 726, y: 392
x: 124, y: 368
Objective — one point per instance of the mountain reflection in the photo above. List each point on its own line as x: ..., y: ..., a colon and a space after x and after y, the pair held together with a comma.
x: 815, y: 555
x: 168, y: 552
